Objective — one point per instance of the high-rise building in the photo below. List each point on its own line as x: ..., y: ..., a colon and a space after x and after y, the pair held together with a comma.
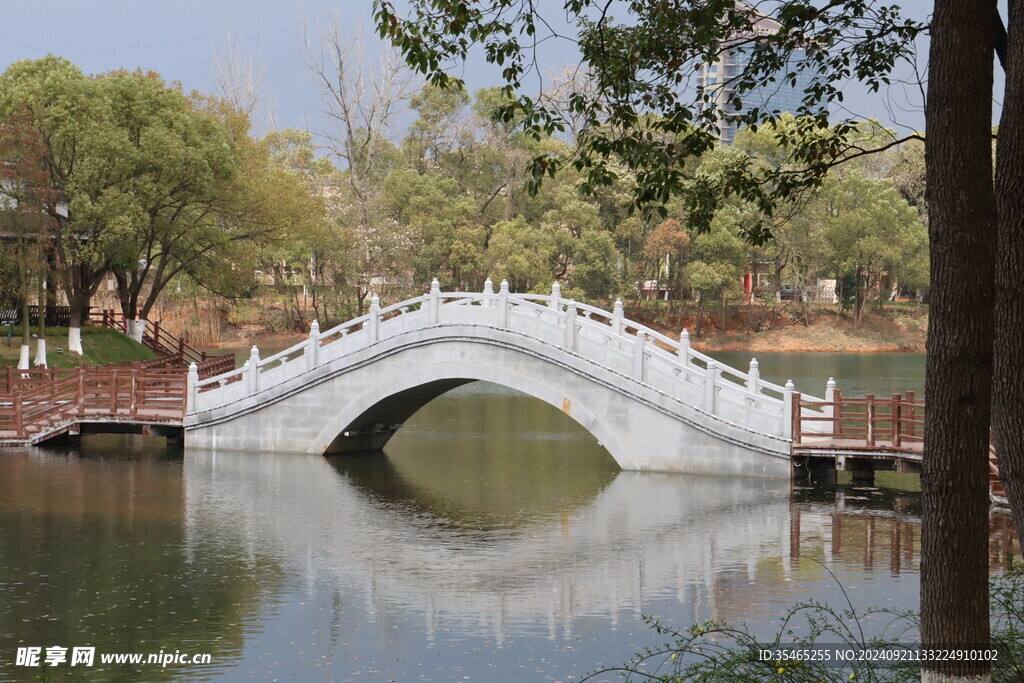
x: 780, y: 96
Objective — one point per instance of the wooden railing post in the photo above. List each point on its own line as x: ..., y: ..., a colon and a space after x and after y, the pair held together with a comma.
x: 869, y: 415
x: 113, y: 392
x: 19, y: 415
x: 133, y: 409
x: 156, y: 331
x: 911, y: 416
x: 837, y: 416
x: 80, y: 398
x: 796, y: 414
x: 897, y: 420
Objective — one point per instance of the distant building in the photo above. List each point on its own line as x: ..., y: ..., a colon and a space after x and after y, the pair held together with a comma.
x: 781, y: 96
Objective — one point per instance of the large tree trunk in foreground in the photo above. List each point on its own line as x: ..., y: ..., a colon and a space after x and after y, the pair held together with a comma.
x: 1008, y: 366
x: 961, y: 204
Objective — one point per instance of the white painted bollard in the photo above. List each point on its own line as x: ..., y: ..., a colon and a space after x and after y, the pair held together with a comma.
x: 373, y: 322
x: 639, y: 351
x: 434, y: 302
x: 503, y: 305
x: 191, y: 387
x: 313, y: 346
x: 488, y: 293
x: 254, y: 370
x: 570, y: 326
x: 556, y: 297
x: 684, y: 346
x: 710, y: 379
x: 787, y: 409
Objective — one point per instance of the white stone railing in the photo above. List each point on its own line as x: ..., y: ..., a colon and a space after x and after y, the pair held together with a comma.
x: 606, y: 338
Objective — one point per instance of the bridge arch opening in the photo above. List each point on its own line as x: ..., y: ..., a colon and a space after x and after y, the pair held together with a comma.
x: 477, y: 413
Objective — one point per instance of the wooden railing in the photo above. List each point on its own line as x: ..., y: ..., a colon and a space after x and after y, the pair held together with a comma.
x: 894, y: 422
x: 156, y: 338
x: 84, y: 394
x: 171, y: 349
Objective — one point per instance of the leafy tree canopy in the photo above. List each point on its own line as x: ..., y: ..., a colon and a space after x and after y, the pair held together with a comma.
x: 638, y: 106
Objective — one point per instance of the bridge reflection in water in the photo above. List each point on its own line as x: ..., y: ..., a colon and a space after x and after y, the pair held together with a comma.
x: 455, y: 556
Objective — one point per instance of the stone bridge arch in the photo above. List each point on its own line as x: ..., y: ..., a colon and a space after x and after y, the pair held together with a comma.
x: 652, y: 402
x: 368, y: 419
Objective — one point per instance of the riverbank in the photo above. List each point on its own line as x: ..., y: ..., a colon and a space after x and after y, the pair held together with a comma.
x: 893, y: 331
x: 827, y: 332
x: 875, y: 334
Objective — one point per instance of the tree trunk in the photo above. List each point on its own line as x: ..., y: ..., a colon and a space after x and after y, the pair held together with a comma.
x: 40, y: 361
x: 79, y: 305
x: 26, y: 328
x: 954, y: 536
x: 1008, y: 365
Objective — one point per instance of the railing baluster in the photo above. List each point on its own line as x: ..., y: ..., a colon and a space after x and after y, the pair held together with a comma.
x: 869, y: 416
x: 897, y: 420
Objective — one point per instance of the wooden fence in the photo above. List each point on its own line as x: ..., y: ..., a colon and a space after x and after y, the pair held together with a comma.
x: 871, y: 424
x: 895, y: 422
x: 149, y: 395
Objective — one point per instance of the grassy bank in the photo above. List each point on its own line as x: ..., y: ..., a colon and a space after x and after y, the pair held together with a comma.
x: 101, y: 346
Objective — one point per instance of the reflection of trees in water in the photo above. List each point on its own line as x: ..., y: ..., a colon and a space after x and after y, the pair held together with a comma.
x: 94, y: 552
x: 502, y: 462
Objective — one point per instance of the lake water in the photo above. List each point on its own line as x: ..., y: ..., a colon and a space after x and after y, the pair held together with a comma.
x: 495, y: 540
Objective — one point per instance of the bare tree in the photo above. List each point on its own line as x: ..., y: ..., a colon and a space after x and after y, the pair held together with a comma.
x: 361, y: 98
x: 238, y: 78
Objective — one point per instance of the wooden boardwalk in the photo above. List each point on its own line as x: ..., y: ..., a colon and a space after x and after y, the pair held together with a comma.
x: 864, y: 434
x: 143, y: 397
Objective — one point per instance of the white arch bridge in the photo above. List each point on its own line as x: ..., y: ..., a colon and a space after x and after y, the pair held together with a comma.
x: 653, y: 402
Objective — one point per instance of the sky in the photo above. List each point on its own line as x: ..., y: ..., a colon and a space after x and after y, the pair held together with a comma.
x: 180, y: 40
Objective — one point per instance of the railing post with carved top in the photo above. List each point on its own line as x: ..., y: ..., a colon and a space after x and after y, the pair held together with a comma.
x: 191, y: 387
x: 790, y: 418
x: 434, y: 302
x: 556, y: 297
x: 570, y: 326
x: 373, y: 322
x: 503, y: 305
x: 313, y: 346
x: 710, y: 377
x: 754, y: 377
x: 684, y: 346
x: 639, y: 351
x: 617, y: 318
x: 488, y: 293
x: 253, y: 372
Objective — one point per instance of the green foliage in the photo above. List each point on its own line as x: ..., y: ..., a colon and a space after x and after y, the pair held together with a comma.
x: 101, y: 346
x: 636, y: 111
x: 717, y: 652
